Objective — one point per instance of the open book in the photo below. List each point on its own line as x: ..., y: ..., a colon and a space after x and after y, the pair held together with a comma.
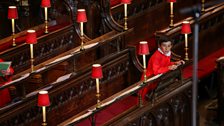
x: 4, y: 67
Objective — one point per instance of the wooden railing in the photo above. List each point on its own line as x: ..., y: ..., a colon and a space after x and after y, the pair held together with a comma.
x: 173, y: 93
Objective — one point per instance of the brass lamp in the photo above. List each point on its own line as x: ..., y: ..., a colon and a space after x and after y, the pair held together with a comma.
x: 31, y: 38
x: 46, y: 4
x: 143, y: 50
x: 43, y: 101
x: 97, y: 74
x: 126, y: 2
x: 171, y: 11
x: 81, y: 18
x: 13, y: 14
x: 186, y: 29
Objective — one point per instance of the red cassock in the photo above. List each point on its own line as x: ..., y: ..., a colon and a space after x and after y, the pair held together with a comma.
x: 158, y: 64
x: 4, y: 94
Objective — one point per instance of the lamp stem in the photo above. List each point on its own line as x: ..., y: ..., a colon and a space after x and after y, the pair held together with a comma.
x: 46, y: 22
x: 31, y: 51
x: 186, y: 40
x: 125, y: 16
x: 82, y: 36
x: 44, y: 116
x: 97, y: 85
x: 13, y: 33
x: 45, y: 12
x: 186, y: 47
x: 31, y: 57
x: 98, y: 92
x: 81, y: 28
x: 13, y: 24
x: 202, y: 5
x: 171, y: 14
x: 144, y: 66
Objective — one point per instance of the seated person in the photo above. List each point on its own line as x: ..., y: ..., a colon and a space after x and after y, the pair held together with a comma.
x: 4, y: 94
x: 159, y: 63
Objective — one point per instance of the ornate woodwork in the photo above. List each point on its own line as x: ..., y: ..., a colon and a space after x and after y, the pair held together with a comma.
x: 48, y: 46
x: 78, y: 88
x: 31, y: 14
x: 211, y: 20
x: 171, y: 109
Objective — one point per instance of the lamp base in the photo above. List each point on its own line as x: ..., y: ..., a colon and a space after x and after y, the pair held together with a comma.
x: 82, y: 49
x: 44, y: 124
x: 186, y: 58
x: 140, y: 103
x: 46, y: 32
x: 125, y: 24
x: 171, y: 26
x: 98, y: 101
x: 13, y: 40
x: 186, y: 54
x: 46, y: 27
x: 171, y: 21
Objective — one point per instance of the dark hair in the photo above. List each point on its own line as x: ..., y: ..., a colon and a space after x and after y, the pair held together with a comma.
x: 162, y: 39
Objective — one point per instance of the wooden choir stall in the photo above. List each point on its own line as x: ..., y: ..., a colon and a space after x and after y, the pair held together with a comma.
x: 71, y: 37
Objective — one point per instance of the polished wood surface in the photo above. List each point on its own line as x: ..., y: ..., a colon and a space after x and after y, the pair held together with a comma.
x: 58, y: 55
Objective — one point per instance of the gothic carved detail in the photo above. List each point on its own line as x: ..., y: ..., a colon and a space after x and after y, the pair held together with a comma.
x: 172, y: 112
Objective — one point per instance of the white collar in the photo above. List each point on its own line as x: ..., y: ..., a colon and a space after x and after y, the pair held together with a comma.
x: 168, y: 54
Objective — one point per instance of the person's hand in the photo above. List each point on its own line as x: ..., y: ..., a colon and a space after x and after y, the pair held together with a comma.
x: 172, y: 67
x: 180, y: 62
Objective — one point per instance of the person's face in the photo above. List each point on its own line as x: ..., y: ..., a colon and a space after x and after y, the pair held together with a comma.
x: 166, y: 47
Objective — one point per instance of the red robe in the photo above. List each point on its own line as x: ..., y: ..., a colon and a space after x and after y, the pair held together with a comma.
x: 157, y: 64
x: 4, y: 94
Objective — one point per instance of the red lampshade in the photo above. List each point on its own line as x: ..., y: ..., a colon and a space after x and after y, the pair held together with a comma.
x: 171, y: 1
x: 45, y: 3
x: 143, y: 48
x: 43, y: 99
x: 12, y: 12
x: 31, y: 37
x: 126, y: 1
x: 186, y: 28
x: 81, y: 15
x: 97, y: 71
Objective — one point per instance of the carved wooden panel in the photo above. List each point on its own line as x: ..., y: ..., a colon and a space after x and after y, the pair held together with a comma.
x: 175, y: 111
x: 47, y: 47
